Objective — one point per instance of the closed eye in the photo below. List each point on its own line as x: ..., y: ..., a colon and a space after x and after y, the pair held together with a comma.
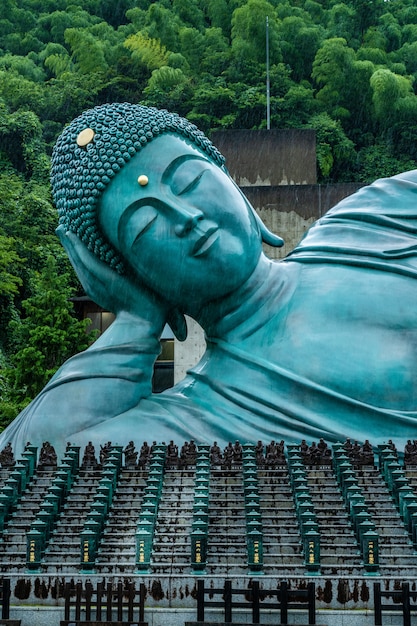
x: 144, y: 226
x: 192, y: 184
x: 136, y: 223
x: 184, y: 174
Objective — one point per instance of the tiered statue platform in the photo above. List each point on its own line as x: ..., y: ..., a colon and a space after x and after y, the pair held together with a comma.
x: 166, y: 519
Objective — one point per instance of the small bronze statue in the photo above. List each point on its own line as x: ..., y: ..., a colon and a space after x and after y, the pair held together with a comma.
x: 172, y: 459
x: 47, y: 455
x: 215, y: 454
x: 144, y: 455
x: 89, y: 459
x: 131, y: 455
x: 104, y: 452
x: 7, y: 456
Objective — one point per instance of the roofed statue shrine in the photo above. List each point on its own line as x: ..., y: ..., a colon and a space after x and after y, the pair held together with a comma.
x: 320, y: 345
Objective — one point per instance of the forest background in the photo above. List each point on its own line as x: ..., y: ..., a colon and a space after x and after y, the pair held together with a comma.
x: 346, y: 69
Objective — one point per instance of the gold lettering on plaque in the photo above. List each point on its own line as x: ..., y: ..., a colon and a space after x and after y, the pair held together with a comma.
x: 256, y: 552
x: 32, y: 551
x: 86, y: 552
x: 311, y: 551
x: 141, y: 551
x: 371, y: 555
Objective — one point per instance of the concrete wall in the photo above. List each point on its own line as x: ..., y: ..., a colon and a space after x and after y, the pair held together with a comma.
x: 269, y: 157
x: 290, y: 210
x: 187, y: 353
x: 171, y: 600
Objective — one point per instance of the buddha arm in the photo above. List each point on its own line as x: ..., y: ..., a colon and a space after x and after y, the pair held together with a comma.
x: 108, y: 378
x: 116, y: 371
x: 94, y: 386
x: 111, y: 376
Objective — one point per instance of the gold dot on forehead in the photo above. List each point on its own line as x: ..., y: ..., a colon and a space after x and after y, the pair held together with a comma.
x: 85, y: 137
x: 143, y: 180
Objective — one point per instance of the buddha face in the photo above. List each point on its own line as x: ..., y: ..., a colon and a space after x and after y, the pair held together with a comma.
x: 180, y: 223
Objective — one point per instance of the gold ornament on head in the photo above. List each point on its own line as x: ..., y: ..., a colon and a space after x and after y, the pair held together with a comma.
x: 143, y: 180
x: 85, y: 137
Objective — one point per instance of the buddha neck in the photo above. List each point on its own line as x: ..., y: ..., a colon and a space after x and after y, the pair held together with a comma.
x: 240, y: 311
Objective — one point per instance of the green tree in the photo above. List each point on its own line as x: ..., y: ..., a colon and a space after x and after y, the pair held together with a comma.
x: 220, y: 15
x: 391, y: 30
x: 114, y: 11
x: 408, y: 55
x: 9, y: 260
x: 21, y: 143
x: 216, y: 56
x: 366, y: 13
x: 168, y: 87
x: 48, y: 334
x: 336, y: 156
x: 52, y: 27
x: 150, y: 52
x: 213, y: 102
x: 299, y: 44
x: 378, y: 161
x: 388, y: 91
x: 294, y: 108
x: 87, y: 51
x: 189, y: 12
x: 163, y: 24
x: 332, y: 70
x: 249, y: 33
x: 341, y: 21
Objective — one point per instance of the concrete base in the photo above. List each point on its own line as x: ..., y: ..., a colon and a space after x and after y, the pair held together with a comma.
x: 51, y: 616
x: 81, y: 623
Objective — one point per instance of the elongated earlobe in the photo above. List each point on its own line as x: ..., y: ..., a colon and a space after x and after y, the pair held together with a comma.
x: 267, y: 237
x: 178, y: 325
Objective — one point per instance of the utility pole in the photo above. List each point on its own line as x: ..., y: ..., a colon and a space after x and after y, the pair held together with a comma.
x: 268, y: 95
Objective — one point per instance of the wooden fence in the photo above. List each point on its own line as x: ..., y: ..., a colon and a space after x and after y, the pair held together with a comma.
x: 257, y: 599
x: 400, y: 601
x: 106, y: 603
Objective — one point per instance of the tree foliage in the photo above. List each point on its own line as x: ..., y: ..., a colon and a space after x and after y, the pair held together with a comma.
x: 47, y: 335
x: 207, y: 60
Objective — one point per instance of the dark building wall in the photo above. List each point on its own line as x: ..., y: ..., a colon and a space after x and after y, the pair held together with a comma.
x: 269, y: 157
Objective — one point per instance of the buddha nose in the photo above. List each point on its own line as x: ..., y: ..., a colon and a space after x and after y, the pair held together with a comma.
x: 187, y: 218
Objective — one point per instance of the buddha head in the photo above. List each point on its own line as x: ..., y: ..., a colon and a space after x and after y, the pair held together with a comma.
x: 149, y: 195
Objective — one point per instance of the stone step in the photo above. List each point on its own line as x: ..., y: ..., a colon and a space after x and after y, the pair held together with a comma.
x: 284, y: 549
x: 186, y: 505
x: 349, y: 552
x: 290, y: 539
x: 28, y: 504
x: 17, y: 524
x: 14, y: 548
x: 14, y: 537
x: 224, y: 543
x: 68, y: 539
x: 338, y: 540
x: 117, y: 524
x: 274, y: 525
x: 170, y: 548
x: 391, y: 534
x: 387, y: 550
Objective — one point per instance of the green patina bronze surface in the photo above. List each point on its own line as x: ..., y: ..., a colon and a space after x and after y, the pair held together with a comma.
x: 321, y: 344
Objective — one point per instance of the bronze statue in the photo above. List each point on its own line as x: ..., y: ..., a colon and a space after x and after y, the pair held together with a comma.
x: 320, y: 344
